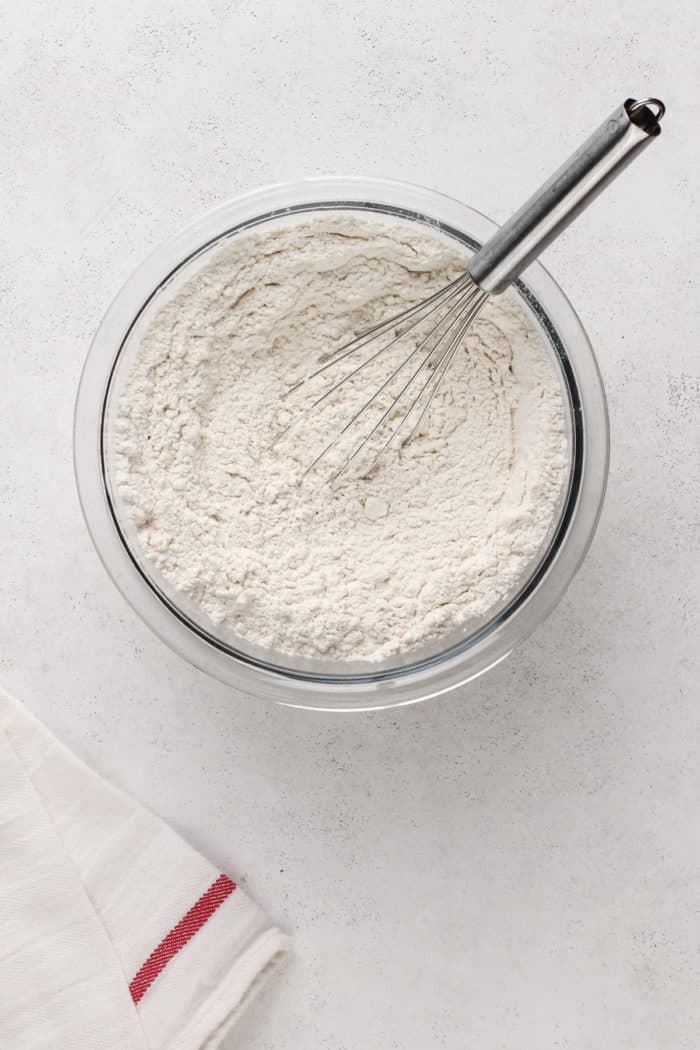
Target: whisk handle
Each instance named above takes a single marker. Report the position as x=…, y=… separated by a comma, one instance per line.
x=626, y=132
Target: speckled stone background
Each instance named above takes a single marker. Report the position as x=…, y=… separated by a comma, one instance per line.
x=516, y=866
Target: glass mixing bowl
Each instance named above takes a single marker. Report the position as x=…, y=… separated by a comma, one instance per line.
x=325, y=683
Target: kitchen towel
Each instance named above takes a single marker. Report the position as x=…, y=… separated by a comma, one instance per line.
x=114, y=933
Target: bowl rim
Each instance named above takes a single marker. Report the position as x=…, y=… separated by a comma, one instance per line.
x=406, y=684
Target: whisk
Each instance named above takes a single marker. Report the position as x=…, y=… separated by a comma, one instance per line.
x=433, y=330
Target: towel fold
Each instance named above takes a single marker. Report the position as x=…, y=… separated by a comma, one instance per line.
x=115, y=934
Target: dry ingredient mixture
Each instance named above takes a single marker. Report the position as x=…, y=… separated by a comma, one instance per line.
x=442, y=533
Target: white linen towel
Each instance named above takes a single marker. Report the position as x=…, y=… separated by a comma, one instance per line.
x=114, y=933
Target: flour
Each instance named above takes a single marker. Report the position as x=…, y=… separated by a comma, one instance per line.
x=445, y=531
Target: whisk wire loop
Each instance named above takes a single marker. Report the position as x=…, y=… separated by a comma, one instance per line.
x=452, y=315
x=435, y=378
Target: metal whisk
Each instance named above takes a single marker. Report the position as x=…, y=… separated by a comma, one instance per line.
x=433, y=330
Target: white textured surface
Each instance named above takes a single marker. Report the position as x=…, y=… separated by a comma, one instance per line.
x=514, y=867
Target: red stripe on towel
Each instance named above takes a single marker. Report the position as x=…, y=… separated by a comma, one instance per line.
x=178, y=937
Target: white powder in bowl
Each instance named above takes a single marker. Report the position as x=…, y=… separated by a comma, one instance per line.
x=446, y=529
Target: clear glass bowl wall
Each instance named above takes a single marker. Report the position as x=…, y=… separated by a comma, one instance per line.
x=323, y=683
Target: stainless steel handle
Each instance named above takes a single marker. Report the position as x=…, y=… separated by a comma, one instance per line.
x=556, y=204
